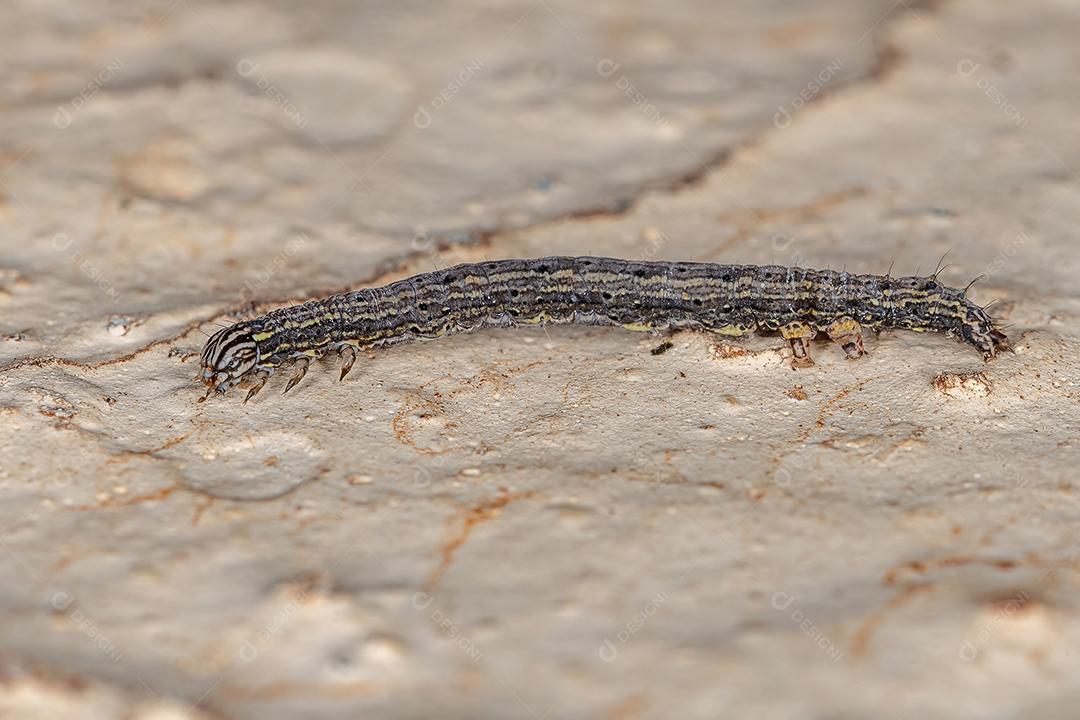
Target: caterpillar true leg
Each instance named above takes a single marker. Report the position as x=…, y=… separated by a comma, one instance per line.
x=348, y=357
x=799, y=335
x=847, y=333
x=260, y=379
x=302, y=368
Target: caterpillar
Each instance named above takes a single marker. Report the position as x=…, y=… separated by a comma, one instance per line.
x=652, y=296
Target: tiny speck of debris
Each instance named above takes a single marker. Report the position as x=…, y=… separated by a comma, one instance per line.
x=120, y=325
x=797, y=393
x=962, y=385
x=56, y=411
x=662, y=347
x=725, y=351
x=471, y=472
x=360, y=480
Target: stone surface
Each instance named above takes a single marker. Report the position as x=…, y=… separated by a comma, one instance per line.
x=529, y=523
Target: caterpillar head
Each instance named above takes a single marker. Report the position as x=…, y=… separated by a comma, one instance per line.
x=229, y=355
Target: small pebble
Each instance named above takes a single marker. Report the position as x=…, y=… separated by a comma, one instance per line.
x=120, y=325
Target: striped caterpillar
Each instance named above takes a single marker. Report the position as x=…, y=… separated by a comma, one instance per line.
x=644, y=296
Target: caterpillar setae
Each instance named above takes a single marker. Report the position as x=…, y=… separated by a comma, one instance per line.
x=644, y=296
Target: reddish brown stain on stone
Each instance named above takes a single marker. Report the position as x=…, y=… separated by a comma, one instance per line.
x=465, y=521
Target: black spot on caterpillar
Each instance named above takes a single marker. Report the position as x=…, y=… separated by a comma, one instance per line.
x=650, y=296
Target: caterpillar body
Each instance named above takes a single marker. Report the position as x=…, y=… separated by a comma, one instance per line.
x=637, y=295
